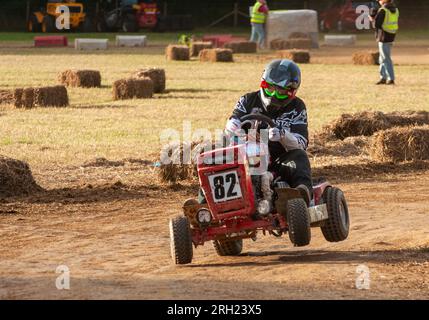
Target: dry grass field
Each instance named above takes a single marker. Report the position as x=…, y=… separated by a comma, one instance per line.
x=108, y=219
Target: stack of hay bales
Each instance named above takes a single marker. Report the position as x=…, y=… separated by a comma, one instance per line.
x=366, y=58
x=177, y=53
x=133, y=88
x=242, y=46
x=401, y=144
x=298, y=56
x=80, y=78
x=156, y=75
x=367, y=123
x=16, y=178
x=55, y=96
x=197, y=46
x=216, y=55
x=6, y=96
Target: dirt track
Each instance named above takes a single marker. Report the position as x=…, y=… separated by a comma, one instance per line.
x=114, y=239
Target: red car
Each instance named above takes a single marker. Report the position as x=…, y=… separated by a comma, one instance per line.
x=239, y=203
x=341, y=15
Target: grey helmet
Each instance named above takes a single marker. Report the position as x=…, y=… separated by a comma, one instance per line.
x=284, y=75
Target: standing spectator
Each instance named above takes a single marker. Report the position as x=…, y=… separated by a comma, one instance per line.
x=258, y=18
x=386, y=25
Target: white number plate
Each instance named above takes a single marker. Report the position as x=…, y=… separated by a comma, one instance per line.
x=225, y=186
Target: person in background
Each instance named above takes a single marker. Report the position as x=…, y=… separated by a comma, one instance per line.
x=259, y=16
x=386, y=25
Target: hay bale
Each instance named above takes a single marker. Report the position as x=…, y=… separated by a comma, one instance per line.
x=197, y=46
x=367, y=123
x=277, y=44
x=408, y=118
x=298, y=56
x=55, y=96
x=351, y=146
x=16, y=178
x=299, y=43
x=242, y=46
x=6, y=96
x=216, y=55
x=179, y=160
x=132, y=88
x=299, y=35
x=80, y=78
x=156, y=75
x=27, y=99
x=401, y=144
x=366, y=58
x=17, y=97
x=175, y=52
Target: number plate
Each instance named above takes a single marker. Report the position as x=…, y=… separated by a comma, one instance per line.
x=225, y=186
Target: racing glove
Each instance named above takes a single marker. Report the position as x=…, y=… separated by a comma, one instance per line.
x=233, y=125
x=287, y=139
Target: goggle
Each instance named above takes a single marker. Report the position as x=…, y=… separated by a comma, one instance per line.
x=280, y=93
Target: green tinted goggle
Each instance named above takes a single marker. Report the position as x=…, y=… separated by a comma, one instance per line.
x=276, y=94
x=272, y=91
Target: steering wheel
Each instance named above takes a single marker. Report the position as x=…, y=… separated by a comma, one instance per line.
x=254, y=118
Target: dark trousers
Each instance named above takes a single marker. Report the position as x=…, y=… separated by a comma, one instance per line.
x=294, y=168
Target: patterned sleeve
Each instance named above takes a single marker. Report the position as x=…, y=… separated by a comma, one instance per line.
x=240, y=108
x=299, y=128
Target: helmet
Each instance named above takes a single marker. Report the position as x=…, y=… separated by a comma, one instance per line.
x=280, y=82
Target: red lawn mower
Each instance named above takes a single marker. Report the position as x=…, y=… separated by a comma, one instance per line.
x=238, y=204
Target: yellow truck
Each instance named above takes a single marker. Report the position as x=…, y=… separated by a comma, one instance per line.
x=44, y=19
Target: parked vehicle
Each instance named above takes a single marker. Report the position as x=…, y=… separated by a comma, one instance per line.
x=341, y=15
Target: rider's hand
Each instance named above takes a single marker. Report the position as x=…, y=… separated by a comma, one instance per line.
x=274, y=134
x=233, y=125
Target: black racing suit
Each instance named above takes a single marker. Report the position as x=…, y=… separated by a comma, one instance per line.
x=292, y=165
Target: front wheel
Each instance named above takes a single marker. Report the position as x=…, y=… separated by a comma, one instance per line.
x=228, y=247
x=336, y=228
x=48, y=24
x=298, y=221
x=33, y=24
x=181, y=240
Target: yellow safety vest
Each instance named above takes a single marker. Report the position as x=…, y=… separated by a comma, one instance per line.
x=257, y=17
x=391, y=21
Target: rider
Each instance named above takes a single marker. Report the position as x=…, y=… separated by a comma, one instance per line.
x=289, y=140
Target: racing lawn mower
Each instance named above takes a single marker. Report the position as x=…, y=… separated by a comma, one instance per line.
x=238, y=203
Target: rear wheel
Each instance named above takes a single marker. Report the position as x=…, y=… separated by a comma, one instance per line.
x=181, y=240
x=298, y=221
x=33, y=24
x=336, y=228
x=129, y=24
x=48, y=24
x=228, y=247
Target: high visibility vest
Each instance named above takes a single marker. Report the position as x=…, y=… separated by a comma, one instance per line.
x=257, y=17
x=391, y=21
